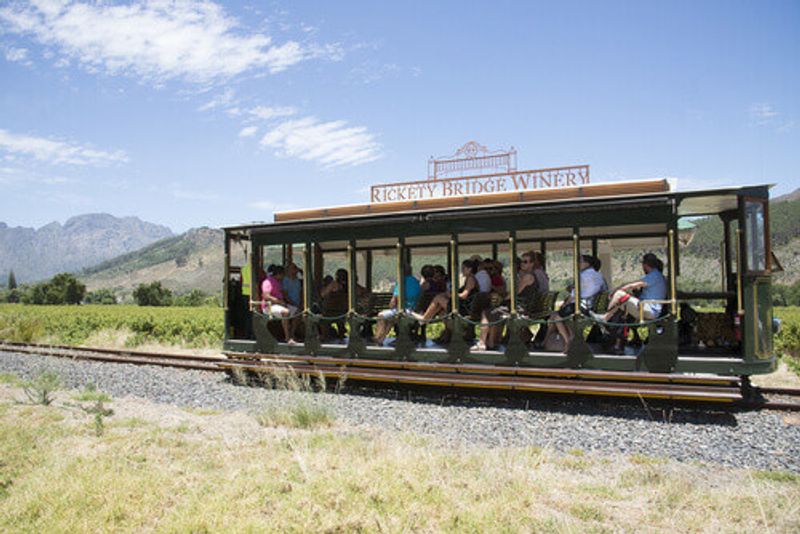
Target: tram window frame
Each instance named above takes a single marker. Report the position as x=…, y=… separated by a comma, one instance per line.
x=756, y=236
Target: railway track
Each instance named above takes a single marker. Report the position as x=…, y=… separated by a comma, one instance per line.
x=689, y=388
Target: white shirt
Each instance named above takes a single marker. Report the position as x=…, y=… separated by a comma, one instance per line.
x=484, y=281
x=592, y=283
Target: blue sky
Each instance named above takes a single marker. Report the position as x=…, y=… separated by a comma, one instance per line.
x=201, y=113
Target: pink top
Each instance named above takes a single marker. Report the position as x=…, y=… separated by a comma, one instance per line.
x=272, y=287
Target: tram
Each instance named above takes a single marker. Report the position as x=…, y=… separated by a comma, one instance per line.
x=373, y=242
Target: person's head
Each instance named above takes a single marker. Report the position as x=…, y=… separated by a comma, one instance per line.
x=596, y=263
x=277, y=271
x=528, y=262
x=341, y=276
x=586, y=261
x=292, y=270
x=427, y=271
x=469, y=267
x=651, y=262
x=439, y=272
x=327, y=279
x=537, y=258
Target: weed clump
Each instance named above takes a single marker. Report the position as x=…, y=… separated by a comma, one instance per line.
x=40, y=389
x=306, y=415
x=91, y=393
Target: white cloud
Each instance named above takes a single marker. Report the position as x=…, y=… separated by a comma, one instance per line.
x=248, y=131
x=268, y=205
x=17, y=55
x=331, y=144
x=10, y=175
x=158, y=40
x=266, y=112
x=762, y=113
x=223, y=100
x=52, y=151
x=182, y=193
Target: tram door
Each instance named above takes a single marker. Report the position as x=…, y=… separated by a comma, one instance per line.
x=756, y=293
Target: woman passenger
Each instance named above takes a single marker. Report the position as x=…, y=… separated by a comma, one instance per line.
x=441, y=302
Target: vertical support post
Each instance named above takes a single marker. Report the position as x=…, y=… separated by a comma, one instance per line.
x=454, y=273
x=226, y=280
x=494, y=251
x=308, y=276
x=226, y=269
x=351, y=278
x=576, y=268
x=739, y=263
x=726, y=254
x=401, y=281
x=512, y=243
x=368, y=281
x=255, y=264
x=543, y=250
x=594, y=247
x=672, y=273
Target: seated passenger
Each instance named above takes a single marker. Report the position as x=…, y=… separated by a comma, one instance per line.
x=542, y=280
x=592, y=283
x=492, y=307
x=441, y=302
x=292, y=286
x=653, y=286
x=275, y=304
x=387, y=318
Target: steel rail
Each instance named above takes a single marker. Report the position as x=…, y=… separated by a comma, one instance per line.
x=701, y=389
x=183, y=361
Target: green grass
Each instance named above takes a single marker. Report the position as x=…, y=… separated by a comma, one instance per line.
x=90, y=394
x=57, y=475
x=306, y=415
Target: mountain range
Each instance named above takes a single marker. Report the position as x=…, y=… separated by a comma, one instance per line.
x=82, y=241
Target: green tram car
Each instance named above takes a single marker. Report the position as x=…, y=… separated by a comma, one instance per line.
x=372, y=242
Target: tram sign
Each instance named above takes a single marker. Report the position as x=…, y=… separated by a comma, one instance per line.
x=472, y=157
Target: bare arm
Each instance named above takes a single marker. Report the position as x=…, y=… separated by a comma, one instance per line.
x=468, y=287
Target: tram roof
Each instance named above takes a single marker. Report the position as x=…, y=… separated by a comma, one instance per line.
x=696, y=202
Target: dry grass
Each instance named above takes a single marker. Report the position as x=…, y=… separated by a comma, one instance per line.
x=163, y=469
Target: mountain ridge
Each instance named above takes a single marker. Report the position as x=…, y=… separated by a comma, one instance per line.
x=83, y=240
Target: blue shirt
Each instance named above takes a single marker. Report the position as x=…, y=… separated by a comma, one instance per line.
x=656, y=289
x=592, y=283
x=413, y=290
x=291, y=288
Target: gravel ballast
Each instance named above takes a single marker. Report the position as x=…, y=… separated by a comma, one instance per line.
x=763, y=440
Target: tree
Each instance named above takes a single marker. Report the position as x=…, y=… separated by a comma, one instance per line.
x=153, y=294
x=12, y=280
x=195, y=297
x=101, y=296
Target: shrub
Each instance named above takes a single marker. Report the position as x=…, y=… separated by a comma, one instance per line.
x=101, y=296
x=153, y=294
x=40, y=389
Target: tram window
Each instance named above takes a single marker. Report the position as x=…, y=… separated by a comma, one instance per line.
x=755, y=236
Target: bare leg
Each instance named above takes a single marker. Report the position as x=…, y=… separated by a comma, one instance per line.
x=564, y=331
x=614, y=303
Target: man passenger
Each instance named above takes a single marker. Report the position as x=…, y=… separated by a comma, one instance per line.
x=387, y=318
x=653, y=286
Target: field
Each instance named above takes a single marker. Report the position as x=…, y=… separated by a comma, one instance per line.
x=96, y=324
x=200, y=327
x=158, y=468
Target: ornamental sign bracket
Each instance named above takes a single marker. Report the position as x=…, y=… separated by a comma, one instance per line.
x=471, y=158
